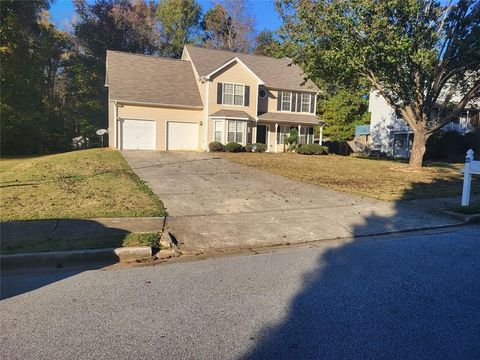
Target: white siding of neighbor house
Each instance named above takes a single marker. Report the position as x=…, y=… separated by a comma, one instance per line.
x=383, y=122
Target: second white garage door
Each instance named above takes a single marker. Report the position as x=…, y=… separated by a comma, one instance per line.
x=182, y=136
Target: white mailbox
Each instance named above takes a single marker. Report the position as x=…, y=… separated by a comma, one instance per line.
x=471, y=168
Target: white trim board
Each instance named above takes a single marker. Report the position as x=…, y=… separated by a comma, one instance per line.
x=230, y=62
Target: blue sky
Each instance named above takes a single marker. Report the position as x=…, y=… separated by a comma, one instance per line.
x=62, y=13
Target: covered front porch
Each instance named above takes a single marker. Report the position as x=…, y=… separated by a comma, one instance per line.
x=272, y=129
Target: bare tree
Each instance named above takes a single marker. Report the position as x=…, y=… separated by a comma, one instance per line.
x=229, y=25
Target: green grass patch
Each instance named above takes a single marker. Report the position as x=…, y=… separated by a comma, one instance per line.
x=376, y=178
x=129, y=240
x=472, y=209
x=75, y=185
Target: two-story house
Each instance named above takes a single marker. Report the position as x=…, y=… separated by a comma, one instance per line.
x=392, y=136
x=208, y=95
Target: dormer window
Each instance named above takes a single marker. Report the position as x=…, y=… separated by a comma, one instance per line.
x=233, y=94
x=286, y=101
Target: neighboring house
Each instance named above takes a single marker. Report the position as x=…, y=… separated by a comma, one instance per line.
x=392, y=136
x=208, y=95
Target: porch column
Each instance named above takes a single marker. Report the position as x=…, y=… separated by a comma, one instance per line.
x=320, y=141
x=299, y=130
x=275, y=142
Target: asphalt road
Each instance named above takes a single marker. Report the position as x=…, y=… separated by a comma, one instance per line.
x=413, y=296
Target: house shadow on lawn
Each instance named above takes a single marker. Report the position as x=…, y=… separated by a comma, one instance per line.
x=392, y=298
x=46, y=236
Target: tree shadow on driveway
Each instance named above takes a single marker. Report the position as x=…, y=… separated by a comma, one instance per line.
x=415, y=297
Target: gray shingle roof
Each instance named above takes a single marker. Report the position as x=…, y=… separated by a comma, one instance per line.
x=289, y=118
x=275, y=73
x=151, y=79
x=232, y=114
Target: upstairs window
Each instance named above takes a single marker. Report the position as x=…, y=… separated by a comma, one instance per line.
x=286, y=101
x=233, y=94
x=306, y=102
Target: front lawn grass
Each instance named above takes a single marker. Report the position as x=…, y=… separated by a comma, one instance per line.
x=376, y=178
x=472, y=209
x=80, y=184
x=54, y=244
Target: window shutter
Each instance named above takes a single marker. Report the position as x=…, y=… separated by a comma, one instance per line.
x=247, y=95
x=219, y=92
x=299, y=102
x=312, y=104
x=279, y=101
x=294, y=97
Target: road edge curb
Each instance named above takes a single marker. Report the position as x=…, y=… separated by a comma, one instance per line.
x=59, y=259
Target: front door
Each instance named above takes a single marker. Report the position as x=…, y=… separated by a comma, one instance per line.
x=261, y=134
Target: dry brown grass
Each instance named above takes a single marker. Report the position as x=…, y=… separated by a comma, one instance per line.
x=379, y=179
x=81, y=184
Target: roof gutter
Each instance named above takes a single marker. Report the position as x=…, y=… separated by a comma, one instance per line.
x=173, y=106
x=311, y=91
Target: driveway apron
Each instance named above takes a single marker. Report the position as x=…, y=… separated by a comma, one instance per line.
x=215, y=204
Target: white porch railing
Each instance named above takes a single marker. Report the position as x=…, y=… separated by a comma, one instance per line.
x=462, y=127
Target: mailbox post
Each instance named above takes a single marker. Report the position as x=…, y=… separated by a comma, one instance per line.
x=471, y=167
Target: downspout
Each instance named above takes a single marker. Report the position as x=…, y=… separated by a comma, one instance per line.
x=115, y=125
x=256, y=120
x=207, y=91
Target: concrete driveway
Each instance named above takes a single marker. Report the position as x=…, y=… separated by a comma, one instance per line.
x=216, y=204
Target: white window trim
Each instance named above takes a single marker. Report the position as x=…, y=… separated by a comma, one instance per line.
x=244, y=131
x=222, y=125
x=289, y=103
x=233, y=95
x=302, y=103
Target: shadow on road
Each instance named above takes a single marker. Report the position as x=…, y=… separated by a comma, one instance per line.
x=46, y=236
x=413, y=299
x=16, y=283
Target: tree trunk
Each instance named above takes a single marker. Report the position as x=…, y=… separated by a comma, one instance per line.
x=418, y=149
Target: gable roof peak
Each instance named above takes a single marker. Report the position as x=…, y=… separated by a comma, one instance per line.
x=275, y=73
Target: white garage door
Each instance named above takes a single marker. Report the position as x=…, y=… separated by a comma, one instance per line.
x=138, y=134
x=182, y=136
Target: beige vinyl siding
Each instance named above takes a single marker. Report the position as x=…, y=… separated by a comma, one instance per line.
x=235, y=73
x=161, y=116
